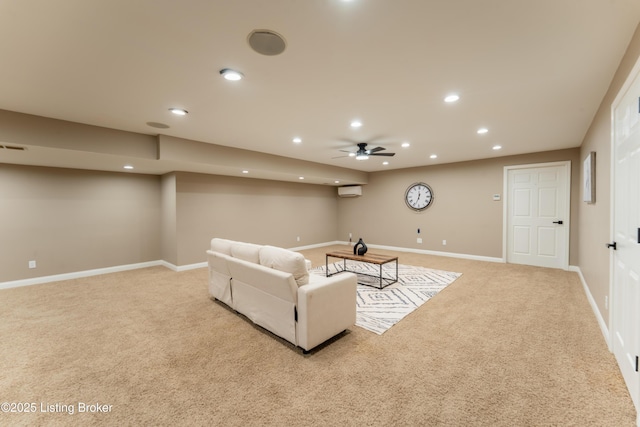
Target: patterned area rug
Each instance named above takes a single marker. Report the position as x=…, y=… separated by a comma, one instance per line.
x=380, y=309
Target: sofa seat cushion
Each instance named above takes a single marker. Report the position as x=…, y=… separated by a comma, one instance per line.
x=286, y=261
x=246, y=251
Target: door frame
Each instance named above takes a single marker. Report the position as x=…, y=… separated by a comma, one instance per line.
x=567, y=209
x=613, y=303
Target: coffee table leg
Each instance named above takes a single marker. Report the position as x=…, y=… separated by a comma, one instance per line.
x=326, y=265
x=396, y=270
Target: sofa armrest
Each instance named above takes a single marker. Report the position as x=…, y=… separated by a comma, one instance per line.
x=219, y=277
x=326, y=307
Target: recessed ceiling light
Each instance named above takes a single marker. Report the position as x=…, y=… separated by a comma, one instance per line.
x=385, y=163
x=336, y=182
x=245, y=171
x=452, y=98
x=356, y=124
x=497, y=147
x=405, y=145
x=301, y=177
x=179, y=111
x=230, y=74
x=297, y=140
x=482, y=131
x=433, y=156
x=128, y=167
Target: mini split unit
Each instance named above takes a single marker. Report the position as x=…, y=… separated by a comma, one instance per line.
x=350, y=191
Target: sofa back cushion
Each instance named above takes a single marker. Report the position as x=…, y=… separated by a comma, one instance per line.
x=246, y=251
x=286, y=261
x=221, y=245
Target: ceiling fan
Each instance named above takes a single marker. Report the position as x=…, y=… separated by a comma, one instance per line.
x=363, y=152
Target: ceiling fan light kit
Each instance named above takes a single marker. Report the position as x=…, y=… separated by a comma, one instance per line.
x=363, y=152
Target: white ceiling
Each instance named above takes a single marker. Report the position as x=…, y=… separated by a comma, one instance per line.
x=532, y=72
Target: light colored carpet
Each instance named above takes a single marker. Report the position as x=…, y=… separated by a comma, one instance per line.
x=380, y=309
x=504, y=345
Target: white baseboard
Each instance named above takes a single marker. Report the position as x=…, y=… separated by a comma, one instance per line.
x=603, y=326
x=79, y=274
x=427, y=252
x=189, y=266
x=173, y=267
x=115, y=269
x=318, y=245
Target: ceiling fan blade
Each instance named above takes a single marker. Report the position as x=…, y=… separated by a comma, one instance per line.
x=373, y=150
x=350, y=141
x=383, y=154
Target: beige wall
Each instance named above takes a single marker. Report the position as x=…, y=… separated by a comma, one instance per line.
x=76, y=220
x=258, y=211
x=18, y=128
x=73, y=220
x=595, y=219
x=168, y=220
x=463, y=212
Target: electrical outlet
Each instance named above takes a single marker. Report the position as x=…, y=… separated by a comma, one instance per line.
x=419, y=239
x=350, y=235
x=298, y=238
x=32, y=264
x=444, y=243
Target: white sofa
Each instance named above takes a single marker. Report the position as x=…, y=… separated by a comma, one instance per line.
x=273, y=288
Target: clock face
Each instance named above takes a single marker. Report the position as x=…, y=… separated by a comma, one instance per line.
x=419, y=196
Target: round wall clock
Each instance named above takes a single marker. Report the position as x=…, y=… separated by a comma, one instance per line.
x=418, y=196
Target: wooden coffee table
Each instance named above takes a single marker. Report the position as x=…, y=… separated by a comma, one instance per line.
x=383, y=280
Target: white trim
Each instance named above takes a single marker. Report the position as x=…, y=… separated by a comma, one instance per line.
x=437, y=253
x=195, y=266
x=635, y=71
x=179, y=268
x=567, y=214
x=613, y=304
x=603, y=326
x=318, y=245
x=80, y=274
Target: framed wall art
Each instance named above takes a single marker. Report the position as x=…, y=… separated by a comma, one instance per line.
x=589, y=178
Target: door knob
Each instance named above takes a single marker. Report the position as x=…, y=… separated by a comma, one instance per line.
x=558, y=222
x=613, y=245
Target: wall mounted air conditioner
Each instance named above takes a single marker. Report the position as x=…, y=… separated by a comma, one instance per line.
x=350, y=191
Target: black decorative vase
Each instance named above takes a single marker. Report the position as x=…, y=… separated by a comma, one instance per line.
x=360, y=248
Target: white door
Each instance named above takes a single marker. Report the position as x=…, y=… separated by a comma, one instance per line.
x=537, y=214
x=625, y=288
